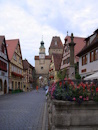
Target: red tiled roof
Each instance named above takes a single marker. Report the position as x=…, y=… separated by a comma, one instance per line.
x=80, y=43
x=59, y=43
x=88, y=48
x=57, y=61
x=11, y=46
x=46, y=57
x=26, y=64
x=92, y=45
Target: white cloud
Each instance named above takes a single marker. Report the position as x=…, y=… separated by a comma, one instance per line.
x=28, y=20
x=17, y=23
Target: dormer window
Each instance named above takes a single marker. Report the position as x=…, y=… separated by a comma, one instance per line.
x=56, y=43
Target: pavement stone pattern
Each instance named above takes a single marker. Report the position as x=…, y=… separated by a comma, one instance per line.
x=22, y=111
x=46, y=122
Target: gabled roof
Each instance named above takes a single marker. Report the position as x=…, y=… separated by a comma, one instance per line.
x=26, y=64
x=46, y=57
x=80, y=43
x=87, y=38
x=86, y=49
x=90, y=47
x=11, y=46
x=57, y=61
x=59, y=43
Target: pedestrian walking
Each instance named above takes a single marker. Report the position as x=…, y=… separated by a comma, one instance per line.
x=37, y=88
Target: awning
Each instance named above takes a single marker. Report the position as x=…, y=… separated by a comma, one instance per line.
x=91, y=77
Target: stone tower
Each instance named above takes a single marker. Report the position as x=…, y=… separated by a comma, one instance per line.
x=56, y=46
x=42, y=52
x=42, y=63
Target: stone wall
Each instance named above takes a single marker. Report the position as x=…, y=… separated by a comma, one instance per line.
x=45, y=66
x=65, y=115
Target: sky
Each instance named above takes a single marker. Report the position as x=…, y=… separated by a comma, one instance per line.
x=29, y=20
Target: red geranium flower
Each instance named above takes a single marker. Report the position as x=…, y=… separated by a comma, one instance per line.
x=97, y=89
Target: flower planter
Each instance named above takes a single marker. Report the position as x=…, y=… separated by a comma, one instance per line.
x=49, y=106
x=66, y=115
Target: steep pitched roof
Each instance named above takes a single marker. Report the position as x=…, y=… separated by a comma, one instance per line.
x=88, y=48
x=80, y=43
x=59, y=43
x=57, y=61
x=11, y=46
x=46, y=57
x=26, y=64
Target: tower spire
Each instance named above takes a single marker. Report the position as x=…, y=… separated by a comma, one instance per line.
x=67, y=33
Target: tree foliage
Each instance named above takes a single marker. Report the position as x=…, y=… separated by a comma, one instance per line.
x=77, y=76
x=62, y=74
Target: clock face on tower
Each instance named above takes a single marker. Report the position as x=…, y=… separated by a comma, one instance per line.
x=42, y=56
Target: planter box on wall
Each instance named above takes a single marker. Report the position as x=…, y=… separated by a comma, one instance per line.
x=66, y=115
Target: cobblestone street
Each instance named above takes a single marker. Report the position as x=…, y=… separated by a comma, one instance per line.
x=23, y=111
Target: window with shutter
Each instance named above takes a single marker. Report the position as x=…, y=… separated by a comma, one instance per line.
x=95, y=54
x=3, y=66
x=84, y=60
